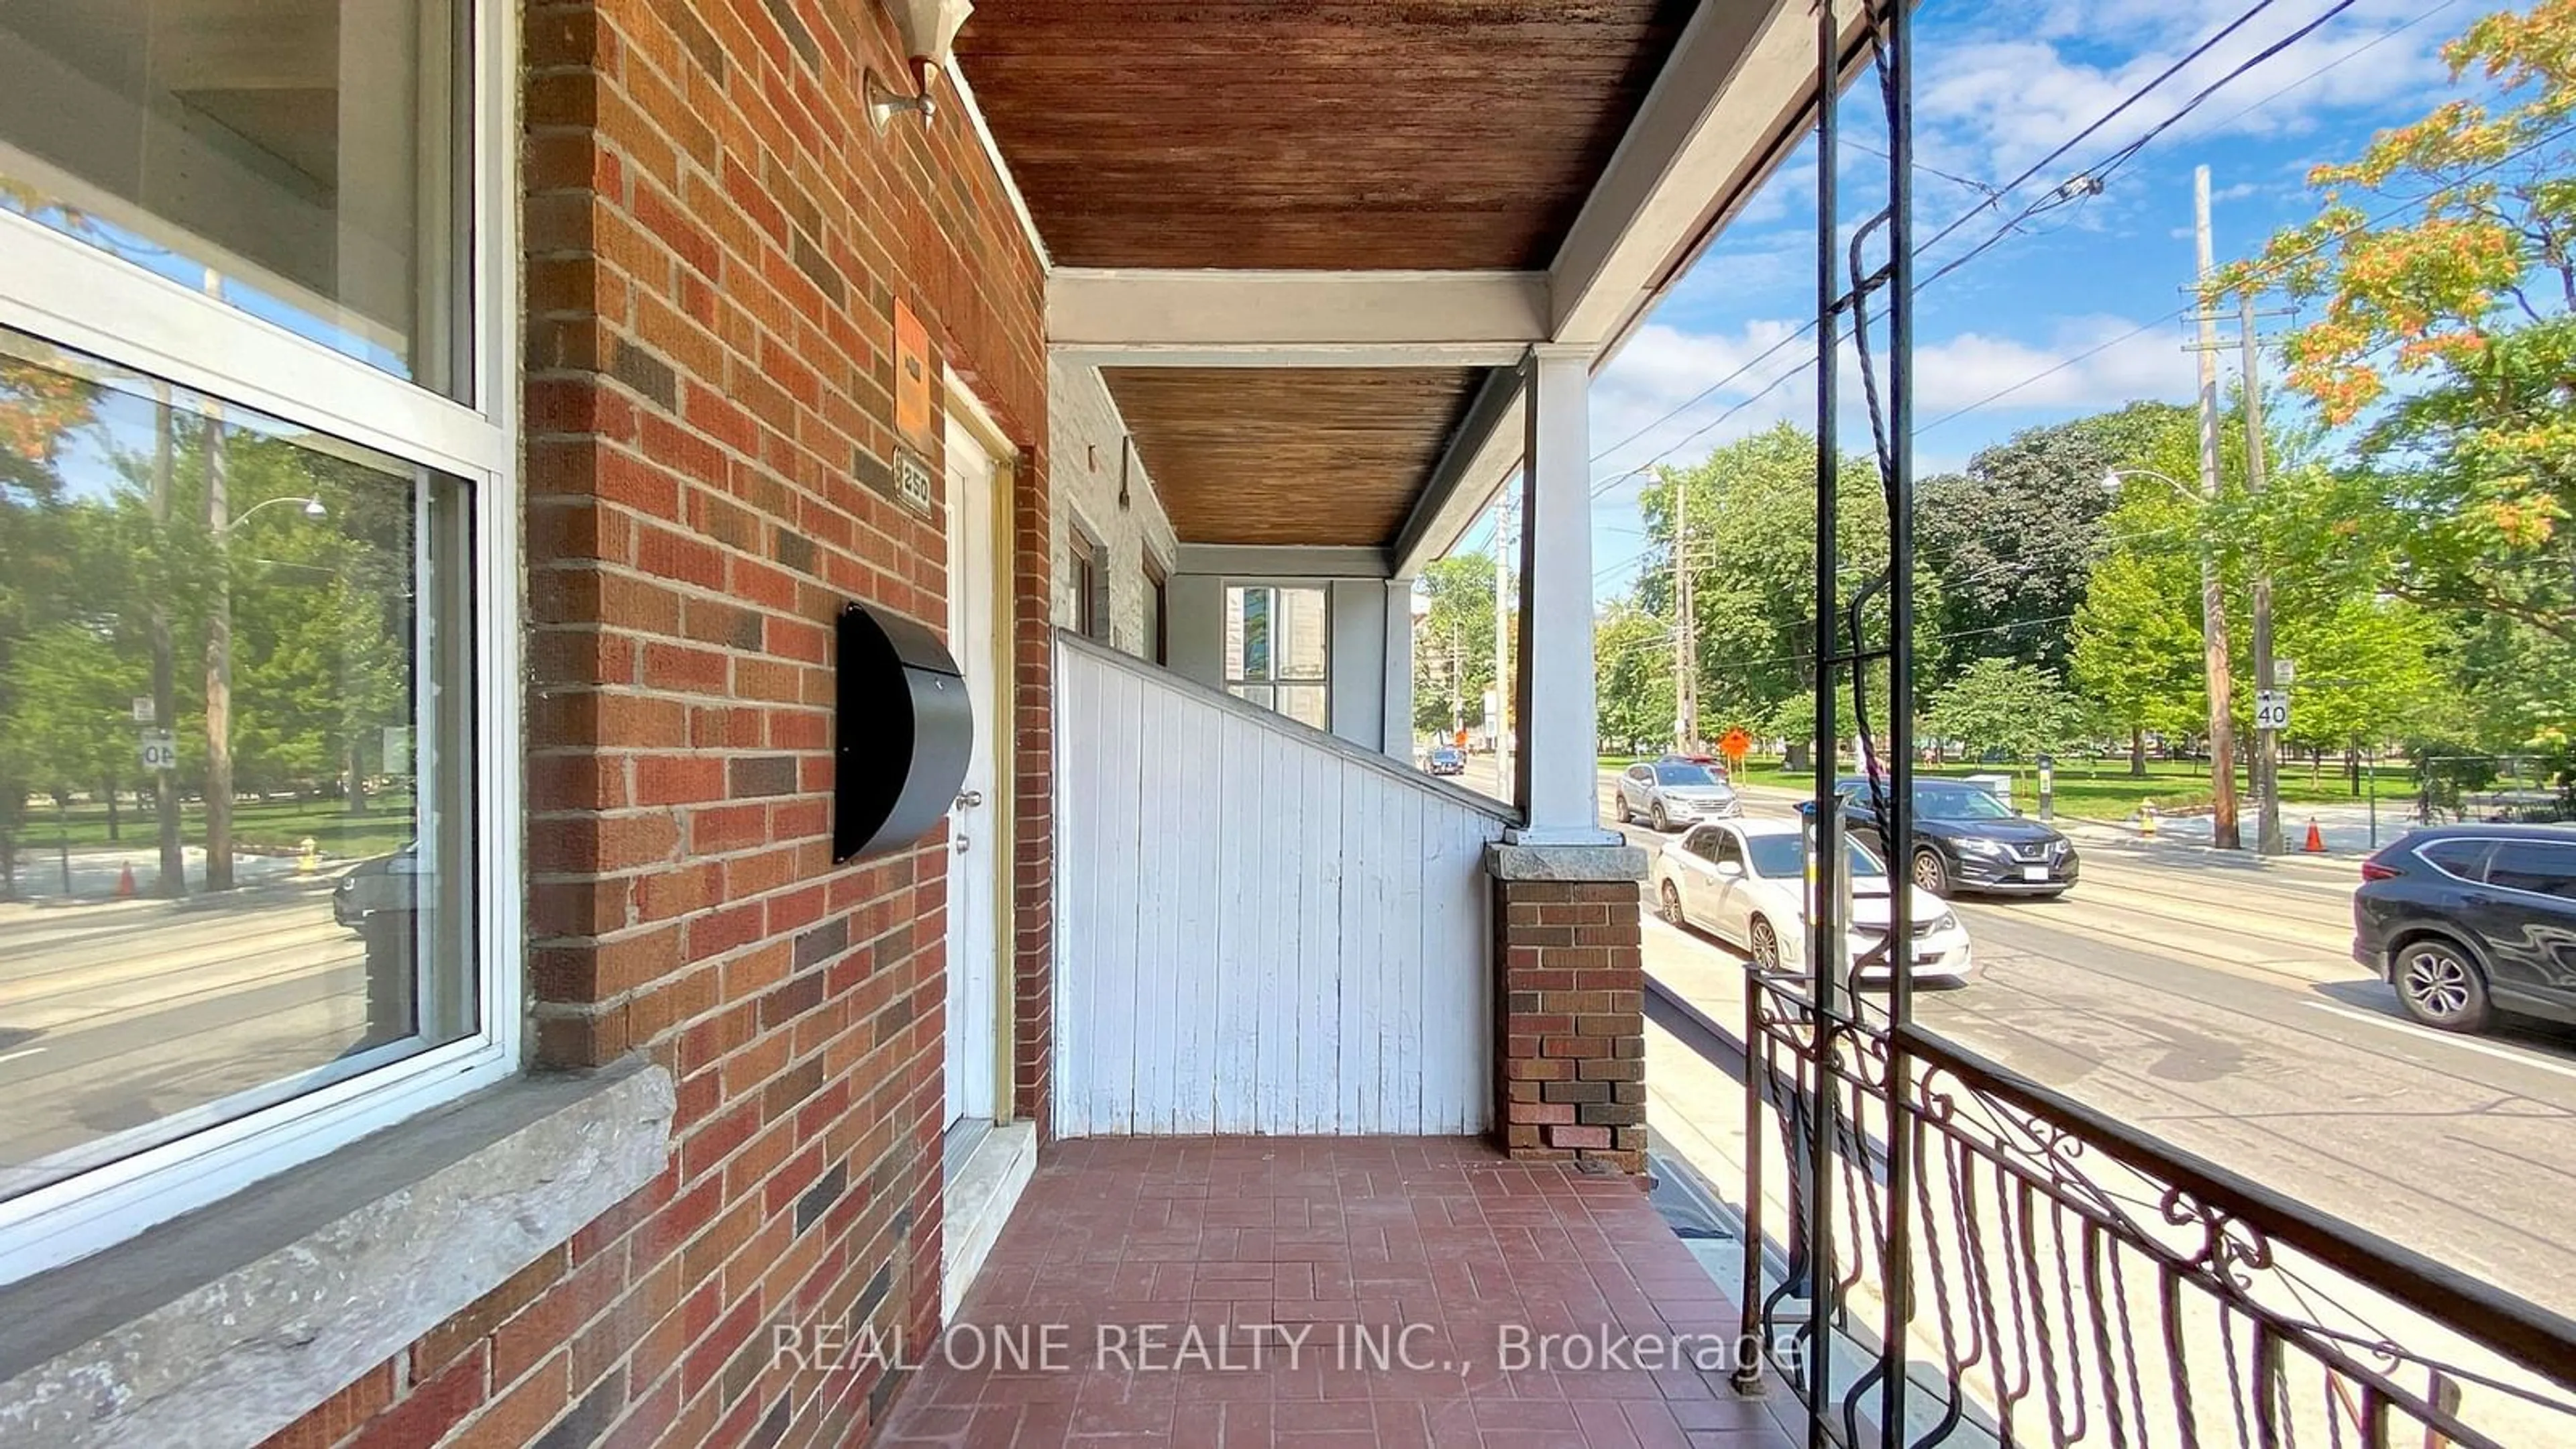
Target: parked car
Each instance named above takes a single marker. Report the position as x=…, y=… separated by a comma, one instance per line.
x=1675, y=792
x=1967, y=840
x=1745, y=882
x=2470, y=921
x=381, y=884
x=1446, y=760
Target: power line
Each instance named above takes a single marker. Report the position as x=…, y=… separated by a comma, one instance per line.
x=2056, y=198
x=2095, y=177
x=2106, y=118
x=2372, y=44
x=2258, y=273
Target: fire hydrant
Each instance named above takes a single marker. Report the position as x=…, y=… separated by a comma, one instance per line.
x=2147, y=819
x=312, y=857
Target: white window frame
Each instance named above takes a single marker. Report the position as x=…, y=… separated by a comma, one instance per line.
x=132, y=318
x=1225, y=597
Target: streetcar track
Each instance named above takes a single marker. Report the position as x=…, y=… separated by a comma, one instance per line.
x=2317, y=1146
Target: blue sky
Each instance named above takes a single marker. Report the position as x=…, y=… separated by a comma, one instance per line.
x=1999, y=86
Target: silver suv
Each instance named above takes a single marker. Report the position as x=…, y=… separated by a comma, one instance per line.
x=1670, y=794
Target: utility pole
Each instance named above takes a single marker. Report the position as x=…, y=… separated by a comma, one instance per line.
x=1457, y=677
x=219, y=668
x=2213, y=600
x=2267, y=741
x=219, y=652
x=173, y=881
x=1685, y=634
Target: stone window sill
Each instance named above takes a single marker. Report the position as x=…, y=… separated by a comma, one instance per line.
x=224, y=1326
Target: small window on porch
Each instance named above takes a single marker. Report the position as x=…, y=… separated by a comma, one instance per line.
x=1157, y=639
x=1090, y=585
x=1277, y=647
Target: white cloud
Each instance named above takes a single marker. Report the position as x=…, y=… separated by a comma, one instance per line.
x=2028, y=77
x=1672, y=395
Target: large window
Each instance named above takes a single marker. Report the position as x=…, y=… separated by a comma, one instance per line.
x=1277, y=650
x=257, y=858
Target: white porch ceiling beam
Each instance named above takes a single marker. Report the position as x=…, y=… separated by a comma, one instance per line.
x=1281, y=561
x=1483, y=452
x=1739, y=77
x=1123, y=317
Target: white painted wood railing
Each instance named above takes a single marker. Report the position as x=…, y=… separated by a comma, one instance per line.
x=1259, y=928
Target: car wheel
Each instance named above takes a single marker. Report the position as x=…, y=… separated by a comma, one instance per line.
x=1765, y=945
x=1619, y=799
x=1671, y=901
x=1655, y=815
x=1931, y=872
x=2441, y=987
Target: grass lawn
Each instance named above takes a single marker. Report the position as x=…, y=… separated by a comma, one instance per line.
x=2105, y=790
x=261, y=827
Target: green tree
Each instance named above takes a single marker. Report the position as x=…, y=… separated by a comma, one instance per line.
x=1994, y=704
x=40, y=411
x=70, y=724
x=2367, y=675
x=1632, y=662
x=2013, y=539
x=1453, y=646
x=1751, y=548
x=2465, y=476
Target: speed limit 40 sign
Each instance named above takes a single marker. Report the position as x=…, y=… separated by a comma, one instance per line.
x=159, y=750
x=2272, y=709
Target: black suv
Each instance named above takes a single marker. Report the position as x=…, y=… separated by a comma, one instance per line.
x=2470, y=920
x=1967, y=840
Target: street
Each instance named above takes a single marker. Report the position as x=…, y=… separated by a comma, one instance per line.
x=115, y=1015
x=2209, y=999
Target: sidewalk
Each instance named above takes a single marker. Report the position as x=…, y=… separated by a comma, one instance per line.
x=2184, y=840
x=2344, y=830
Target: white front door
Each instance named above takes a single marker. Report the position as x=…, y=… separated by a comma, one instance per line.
x=973, y=862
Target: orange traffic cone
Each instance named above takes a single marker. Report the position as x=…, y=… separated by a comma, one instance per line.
x=125, y=883
x=2316, y=840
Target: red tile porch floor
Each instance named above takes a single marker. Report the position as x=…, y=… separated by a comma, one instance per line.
x=1332, y=1291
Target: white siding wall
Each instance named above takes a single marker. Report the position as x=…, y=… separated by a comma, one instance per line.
x=1084, y=435
x=1259, y=929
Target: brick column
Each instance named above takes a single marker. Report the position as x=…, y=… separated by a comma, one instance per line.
x=1570, y=1034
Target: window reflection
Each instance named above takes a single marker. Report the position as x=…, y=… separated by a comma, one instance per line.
x=1277, y=650
x=234, y=843
x=298, y=158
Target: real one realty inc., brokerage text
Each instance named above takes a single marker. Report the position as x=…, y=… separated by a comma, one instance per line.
x=1255, y=1348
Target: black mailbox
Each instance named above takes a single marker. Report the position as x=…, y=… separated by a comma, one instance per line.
x=904, y=731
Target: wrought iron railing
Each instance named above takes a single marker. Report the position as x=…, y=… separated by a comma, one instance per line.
x=2065, y=1279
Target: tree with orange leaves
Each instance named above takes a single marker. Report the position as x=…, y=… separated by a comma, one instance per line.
x=2444, y=257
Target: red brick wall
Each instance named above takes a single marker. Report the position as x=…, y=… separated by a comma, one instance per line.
x=715, y=241
x=1571, y=1079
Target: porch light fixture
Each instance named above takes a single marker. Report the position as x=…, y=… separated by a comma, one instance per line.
x=928, y=28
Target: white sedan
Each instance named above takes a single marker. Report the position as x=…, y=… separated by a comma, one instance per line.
x=1744, y=881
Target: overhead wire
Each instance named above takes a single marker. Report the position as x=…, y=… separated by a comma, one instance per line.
x=2063, y=195
x=2006, y=229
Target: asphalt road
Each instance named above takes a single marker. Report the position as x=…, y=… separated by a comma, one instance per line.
x=115, y=1015
x=2210, y=1000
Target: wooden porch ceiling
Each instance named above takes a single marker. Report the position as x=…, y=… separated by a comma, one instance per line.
x=1257, y=455
x=1344, y=134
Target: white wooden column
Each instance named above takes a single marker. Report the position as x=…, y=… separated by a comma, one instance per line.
x=1559, y=760
x=1399, y=670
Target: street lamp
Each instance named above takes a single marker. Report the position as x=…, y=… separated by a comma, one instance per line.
x=219, y=667
x=2214, y=666
x=312, y=509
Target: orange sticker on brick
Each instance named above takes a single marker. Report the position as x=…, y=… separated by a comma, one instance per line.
x=911, y=377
